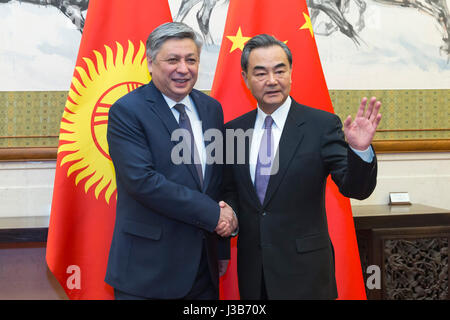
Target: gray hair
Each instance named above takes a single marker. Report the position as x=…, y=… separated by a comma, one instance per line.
x=170, y=30
x=262, y=41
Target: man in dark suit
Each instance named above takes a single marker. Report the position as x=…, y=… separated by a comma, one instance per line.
x=164, y=244
x=278, y=193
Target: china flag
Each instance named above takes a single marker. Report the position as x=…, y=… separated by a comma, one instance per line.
x=288, y=21
x=111, y=62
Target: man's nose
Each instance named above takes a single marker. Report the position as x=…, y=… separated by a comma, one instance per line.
x=182, y=67
x=271, y=80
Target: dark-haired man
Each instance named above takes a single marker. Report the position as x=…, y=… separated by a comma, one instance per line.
x=284, y=248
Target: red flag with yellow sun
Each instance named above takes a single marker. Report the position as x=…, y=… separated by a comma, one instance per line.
x=111, y=62
x=288, y=21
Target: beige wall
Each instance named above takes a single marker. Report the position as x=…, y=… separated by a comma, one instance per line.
x=26, y=188
x=425, y=176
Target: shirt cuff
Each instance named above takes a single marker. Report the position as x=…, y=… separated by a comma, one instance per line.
x=366, y=155
x=236, y=231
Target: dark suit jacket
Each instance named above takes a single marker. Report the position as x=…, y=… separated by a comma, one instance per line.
x=162, y=215
x=287, y=236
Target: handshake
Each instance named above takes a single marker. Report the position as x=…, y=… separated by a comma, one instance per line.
x=227, y=221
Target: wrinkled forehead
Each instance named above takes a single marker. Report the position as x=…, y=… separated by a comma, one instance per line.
x=179, y=46
x=267, y=58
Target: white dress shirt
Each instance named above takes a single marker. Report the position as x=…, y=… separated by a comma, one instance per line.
x=196, y=125
x=279, y=117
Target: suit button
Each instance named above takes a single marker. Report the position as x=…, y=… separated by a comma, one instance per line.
x=264, y=214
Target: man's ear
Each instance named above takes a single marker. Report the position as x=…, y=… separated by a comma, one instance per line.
x=290, y=75
x=149, y=64
x=244, y=75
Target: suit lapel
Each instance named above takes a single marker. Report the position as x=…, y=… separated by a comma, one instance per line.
x=162, y=110
x=160, y=107
x=291, y=137
x=248, y=123
x=202, y=110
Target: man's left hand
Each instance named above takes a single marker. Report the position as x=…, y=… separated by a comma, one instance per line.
x=359, y=133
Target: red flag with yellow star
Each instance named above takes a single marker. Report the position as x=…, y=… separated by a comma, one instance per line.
x=288, y=21
x=111, y=62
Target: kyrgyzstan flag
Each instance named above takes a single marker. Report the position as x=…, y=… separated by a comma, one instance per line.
x=288, y=21
x=111, y=62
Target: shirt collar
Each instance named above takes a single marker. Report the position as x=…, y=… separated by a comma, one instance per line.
x=187, y=101
x=279, y=116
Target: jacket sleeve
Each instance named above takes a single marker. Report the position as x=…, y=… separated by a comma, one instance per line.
x=228, y=187
x=354, y=177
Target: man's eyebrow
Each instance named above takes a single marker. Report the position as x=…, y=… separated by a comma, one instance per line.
x=259, y=68
x=282, y=64
x=176, y=55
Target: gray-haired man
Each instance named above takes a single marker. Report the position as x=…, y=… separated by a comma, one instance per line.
x=165, y=242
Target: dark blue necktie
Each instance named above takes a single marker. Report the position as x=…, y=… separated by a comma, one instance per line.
x=185, y=123
x=265, y=157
